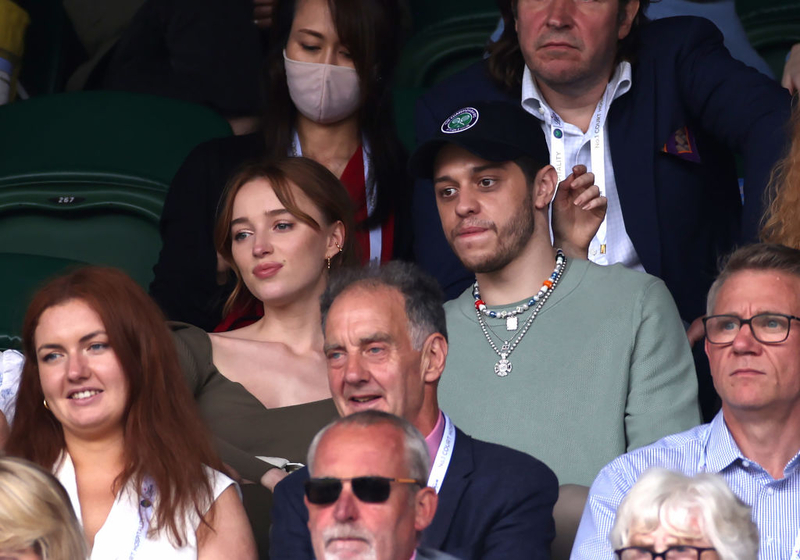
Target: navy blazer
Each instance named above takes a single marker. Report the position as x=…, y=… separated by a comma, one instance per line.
x=680, y=214
x=495, y=504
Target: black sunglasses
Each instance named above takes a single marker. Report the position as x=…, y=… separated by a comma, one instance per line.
x=368, y=489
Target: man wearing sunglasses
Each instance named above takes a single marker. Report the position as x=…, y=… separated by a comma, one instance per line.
x=753, y=345
x=368, y=496
x=386, y=347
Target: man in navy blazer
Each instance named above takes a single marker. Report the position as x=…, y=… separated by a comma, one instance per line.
x=386, y=346
x=676, y=105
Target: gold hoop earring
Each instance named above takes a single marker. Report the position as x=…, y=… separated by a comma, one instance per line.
x=338, y=246
x=45, y=404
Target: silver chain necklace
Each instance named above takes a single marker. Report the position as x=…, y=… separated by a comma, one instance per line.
x=503, y=366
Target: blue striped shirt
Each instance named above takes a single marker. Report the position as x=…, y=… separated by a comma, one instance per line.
x=706, y=448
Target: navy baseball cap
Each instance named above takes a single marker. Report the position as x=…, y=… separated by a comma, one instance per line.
x=492, y=130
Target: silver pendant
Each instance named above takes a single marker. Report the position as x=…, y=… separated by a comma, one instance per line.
x=503, y=367
x=511, y=323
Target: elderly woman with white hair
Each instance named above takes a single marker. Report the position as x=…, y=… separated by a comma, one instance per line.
x=671, y=516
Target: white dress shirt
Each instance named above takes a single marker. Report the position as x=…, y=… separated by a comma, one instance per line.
x=611, y=244
x=124, y=534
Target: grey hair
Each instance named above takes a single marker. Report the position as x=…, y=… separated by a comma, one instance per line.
x=758, y=256
x=684, y=506
x=418, y=459
x=422, y=295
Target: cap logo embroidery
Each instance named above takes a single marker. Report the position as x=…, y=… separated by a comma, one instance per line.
x=461, y=120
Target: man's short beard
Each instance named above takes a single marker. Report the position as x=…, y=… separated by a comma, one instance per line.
x=341, y=530
x=512, y=237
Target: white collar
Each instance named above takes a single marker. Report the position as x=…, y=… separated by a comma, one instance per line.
x=535, y=104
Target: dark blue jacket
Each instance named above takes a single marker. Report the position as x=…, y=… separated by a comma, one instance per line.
x=681, y=215
x=495, y=504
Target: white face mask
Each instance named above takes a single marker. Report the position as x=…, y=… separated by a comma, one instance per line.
x=324, y=93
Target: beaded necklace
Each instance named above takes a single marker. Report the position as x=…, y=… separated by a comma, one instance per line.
x=503, y=367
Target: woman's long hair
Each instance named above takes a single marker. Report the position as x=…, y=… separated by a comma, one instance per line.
x=780, y=223
x=164, y=437
x=321, y=187
x=373, y=34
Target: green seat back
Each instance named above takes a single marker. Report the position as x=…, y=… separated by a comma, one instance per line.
x=22, y=276
x=427, y=13
x=120, y=133
x=442, y=49
x=772, y=27
x=83, y=176
x=84, y=218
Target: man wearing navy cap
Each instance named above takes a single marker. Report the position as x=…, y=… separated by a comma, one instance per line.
x=563, y=359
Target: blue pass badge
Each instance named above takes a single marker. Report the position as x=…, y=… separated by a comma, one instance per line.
x=461, y=120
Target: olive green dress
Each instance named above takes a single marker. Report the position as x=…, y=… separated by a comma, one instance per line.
x=243, y=428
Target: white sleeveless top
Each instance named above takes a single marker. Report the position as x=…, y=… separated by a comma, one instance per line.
x=123, y=536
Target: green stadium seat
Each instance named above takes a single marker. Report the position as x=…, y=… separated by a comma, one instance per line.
x=120, y=133
x=427, y=13
x=83, y=175
x=88, y=219
x=772, y=27
x=22, y=276
x=444, y=48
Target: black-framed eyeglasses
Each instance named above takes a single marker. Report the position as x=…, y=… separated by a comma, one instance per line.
x=676, y=552
x=369, y=489
x=769, y=328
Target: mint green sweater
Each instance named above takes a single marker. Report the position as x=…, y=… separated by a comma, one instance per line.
x=605, y=368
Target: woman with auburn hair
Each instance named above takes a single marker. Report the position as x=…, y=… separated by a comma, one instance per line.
x=263, y=388
x=103, y=405
x=781, y=223
x=36, y=516
x=330, y=68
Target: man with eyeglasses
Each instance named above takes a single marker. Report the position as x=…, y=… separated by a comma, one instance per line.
x=753, y=346
x=367, y=497
x=386, y=347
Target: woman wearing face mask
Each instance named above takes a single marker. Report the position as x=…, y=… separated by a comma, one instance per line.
x=330, y=70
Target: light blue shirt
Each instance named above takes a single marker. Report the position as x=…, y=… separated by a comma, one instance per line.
x=706, y=448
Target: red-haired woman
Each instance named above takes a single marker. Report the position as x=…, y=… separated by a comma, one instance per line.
x=102, y=404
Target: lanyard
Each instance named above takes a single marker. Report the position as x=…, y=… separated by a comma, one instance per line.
x=443, y=455
x=796, y=547
x=145, y=514
x=375, y=239
x=558, y=158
